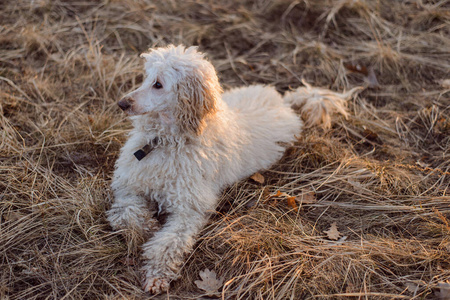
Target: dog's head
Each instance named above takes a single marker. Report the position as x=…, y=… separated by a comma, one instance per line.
x=180, y=85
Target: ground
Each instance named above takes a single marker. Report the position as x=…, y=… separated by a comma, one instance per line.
x=366, y=209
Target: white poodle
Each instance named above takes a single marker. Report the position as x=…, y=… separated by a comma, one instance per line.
x=190, y=141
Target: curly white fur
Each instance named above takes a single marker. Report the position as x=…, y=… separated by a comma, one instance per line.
x=207, y=140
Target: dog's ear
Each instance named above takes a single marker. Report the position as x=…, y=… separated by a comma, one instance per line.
x=198, y=94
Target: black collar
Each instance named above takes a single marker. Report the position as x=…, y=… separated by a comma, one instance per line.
x=141, y=153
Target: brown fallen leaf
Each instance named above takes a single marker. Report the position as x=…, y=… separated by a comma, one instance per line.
x=209, y=283
x=292, y=203
x=258, y=178
x=333, y=233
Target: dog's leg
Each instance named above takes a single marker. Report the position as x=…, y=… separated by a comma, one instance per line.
x=164, y=252
x=130, y=211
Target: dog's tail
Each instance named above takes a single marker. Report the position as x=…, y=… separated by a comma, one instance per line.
x=317, y=104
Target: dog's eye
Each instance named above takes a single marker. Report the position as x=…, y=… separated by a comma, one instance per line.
x=157, y=85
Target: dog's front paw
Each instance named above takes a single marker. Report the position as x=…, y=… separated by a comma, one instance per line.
x=156, y=279
x=124, y=217
x=155, y=285
x=131, y=217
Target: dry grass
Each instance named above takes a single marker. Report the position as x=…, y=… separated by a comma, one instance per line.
x=383, y=175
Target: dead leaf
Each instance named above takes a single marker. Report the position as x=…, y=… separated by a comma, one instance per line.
x=291, y=202
x=307, y=197
x=444, y=291
x=333, y=233
x=258, y=178
x=209, y=283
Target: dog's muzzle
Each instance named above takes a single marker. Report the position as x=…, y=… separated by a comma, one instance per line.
x=125, y=103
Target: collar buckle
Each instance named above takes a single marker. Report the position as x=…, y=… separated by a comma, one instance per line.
x=144, y=151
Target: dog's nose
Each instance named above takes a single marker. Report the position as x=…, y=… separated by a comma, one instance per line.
x=125, y=103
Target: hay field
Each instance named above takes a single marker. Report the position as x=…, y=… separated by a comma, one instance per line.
x=382, y=175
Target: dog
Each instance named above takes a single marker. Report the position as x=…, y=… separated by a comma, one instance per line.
x=189, y=141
